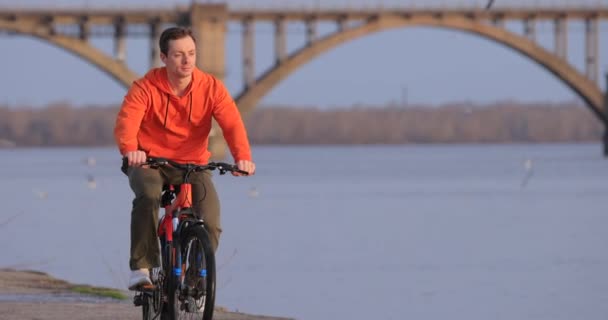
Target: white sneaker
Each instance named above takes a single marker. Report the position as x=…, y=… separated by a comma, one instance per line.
x=139, y=278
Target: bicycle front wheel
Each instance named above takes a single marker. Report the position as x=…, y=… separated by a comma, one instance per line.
x=193, y=296
x=151, y=301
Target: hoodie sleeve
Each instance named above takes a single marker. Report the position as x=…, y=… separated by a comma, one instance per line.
x=229, y=118
x=129, y=118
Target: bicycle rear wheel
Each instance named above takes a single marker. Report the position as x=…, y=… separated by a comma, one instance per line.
x=193, y=296
x=147, y=308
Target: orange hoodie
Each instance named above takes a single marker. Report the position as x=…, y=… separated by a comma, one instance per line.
x=162, y=124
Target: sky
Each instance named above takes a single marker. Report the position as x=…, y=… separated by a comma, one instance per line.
x=410, y=65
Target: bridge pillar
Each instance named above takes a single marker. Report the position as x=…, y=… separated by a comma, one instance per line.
x=311, y=31
x=341, y=23
x=155, y=60
x=280, y=41
x=84, y=28
x=499, y=22
x=530, y=28
x=248, y=53
x=605, y=140
x=592, y=49
x=120, y=45
x=561, y=38
x=209, y=25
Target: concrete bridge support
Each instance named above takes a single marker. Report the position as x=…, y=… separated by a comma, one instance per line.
x=605, y=140
x=311, y=31
x=209, y=27
x=248, y=54
x=280, y=41
x=155, y=61
x=120, y=40
x=530, y=29
x=592, y=49
x=84, y=28
x=561, y=38
x=208, y=23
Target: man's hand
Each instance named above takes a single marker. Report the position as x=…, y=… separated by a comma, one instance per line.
x=136, y=157
x=245, y=165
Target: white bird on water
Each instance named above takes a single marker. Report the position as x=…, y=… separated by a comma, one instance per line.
x=253, y=192
x=528, y=167
x=41, y=194
x=90, y=161
x=91, y=183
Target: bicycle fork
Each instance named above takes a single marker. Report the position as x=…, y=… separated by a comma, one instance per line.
x=168, y=228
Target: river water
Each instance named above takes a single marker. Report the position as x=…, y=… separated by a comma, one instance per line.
x=365, y=232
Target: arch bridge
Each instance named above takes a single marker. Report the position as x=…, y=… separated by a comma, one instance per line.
x=72, y=29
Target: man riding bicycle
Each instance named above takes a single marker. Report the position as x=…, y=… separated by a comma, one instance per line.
x=168, y=113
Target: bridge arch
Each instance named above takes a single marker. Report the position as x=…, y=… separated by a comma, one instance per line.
x=584, y=87
x=114, y=68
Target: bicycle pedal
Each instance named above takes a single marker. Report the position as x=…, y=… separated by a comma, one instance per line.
x=146, y=288
x=138, y=300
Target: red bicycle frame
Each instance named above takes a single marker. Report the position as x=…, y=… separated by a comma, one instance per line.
x=183, y=200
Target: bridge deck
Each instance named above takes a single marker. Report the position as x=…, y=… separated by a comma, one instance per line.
x=104, y=16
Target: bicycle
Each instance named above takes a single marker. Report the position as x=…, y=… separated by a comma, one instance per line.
x=184, y=285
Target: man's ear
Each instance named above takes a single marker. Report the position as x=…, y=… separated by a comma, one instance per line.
x=163, y=57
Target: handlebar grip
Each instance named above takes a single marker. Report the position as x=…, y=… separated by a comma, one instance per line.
x=224, y=167
x=125, y=165
x=149, y=161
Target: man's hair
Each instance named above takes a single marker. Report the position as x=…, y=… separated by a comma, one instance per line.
x=173, y=33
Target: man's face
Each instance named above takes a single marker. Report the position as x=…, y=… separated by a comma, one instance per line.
x=181, y=57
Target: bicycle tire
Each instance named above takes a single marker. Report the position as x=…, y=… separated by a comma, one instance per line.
x=199, y=275
x=167, y=283
x=147, y=308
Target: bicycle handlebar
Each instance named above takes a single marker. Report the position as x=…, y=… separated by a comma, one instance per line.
x=222, y=167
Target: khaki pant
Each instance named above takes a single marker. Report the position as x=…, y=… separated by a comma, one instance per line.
x=147, y=185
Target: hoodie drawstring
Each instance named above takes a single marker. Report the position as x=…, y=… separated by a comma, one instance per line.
x=190, y=114
x=167, y=109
